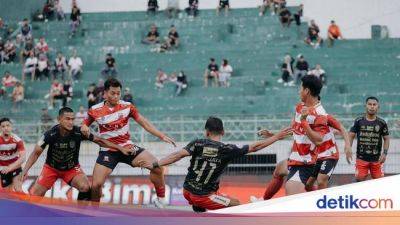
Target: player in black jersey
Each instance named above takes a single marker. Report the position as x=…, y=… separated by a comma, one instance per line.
x=63, y=141
x=210, y=158
x=370, y=131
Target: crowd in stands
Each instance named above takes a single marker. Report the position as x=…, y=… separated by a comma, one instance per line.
x=219, y=76
x=179, y=81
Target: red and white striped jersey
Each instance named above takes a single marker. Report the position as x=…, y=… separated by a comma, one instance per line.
x=113, y=122
x=303, y=149
x=328, y=149
x=9, y=149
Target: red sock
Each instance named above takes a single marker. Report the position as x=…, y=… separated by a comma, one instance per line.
x=160, y=191
x=273, y=186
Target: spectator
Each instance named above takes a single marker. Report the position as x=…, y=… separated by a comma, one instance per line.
x=301, y=68
x=59, y=10
x=318, y=72
x=225, y=73
x=193, y=8
x=68, y=90
x=30, y=66
x=80, y=116
x=223, y=5
x=25, y=31
x=152, y=37
x=48, y=10
x=172, y=9
x=297, y=16
x=8, y=80
x=127, y=96
x=265, y=4
x=161, y=78
x=172, y=41
x=75, y=66
x=91, y=96
x=181, y=83
x=110, y=69
x=60, y=66
x=57, y=92
x=287, y=71
x=9, y=51
x=46, y=119
x=75, y=19
x=26, y=51
x=18, y=95
x=285, y=17
x=2, y=52
x=152, y=7
x=43, y=68
x=211, y=73
x=278, y=5
x=41, y=46
x=313, y=38
x=333, y=33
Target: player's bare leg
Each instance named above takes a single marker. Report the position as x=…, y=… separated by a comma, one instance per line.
x=277, y=181
x=100, y=174
x=310, y=183
x=323, y=181
x=294, y=187
x=81, y=182
x=156, y=174
x=38, y=190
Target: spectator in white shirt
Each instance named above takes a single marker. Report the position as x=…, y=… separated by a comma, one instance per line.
x=80, y=116
x=225, y=73
x=43, y=68
x=60, y=66
x=41, y=46
x=172, y=9
x=318, y=72
x=75, y=66
x=56, y=92
x=59, y=10
x=30, y=66
x=161, y=78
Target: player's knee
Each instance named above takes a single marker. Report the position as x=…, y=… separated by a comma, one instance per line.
x=157, y=171
x=84, y=187
x=96, y=184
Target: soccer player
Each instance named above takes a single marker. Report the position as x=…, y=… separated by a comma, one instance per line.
x=63, y=141
x=113, y=116
x=209, y=158
x=370, y=130
x=12, y=155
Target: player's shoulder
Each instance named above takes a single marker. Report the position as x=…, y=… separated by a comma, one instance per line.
x=380, y=120
x=97, y=106
x=52, y=132
x=16, y=138
x=359, y=119
x=320, y=110
x=124, y=103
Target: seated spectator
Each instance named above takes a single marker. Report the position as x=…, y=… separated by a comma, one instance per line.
x=48, y=10
x=26, y=51
x=181, y=83
x=75, y=66
x=152, y=37
x=172, y=9
x=42, y=47
x=172, y=41
x=91, y=96
x=59, y=10
x=318, y=72
x=10, y=51
x=152, y=7
x=57, y=92
x=313, y=38
x=265, y=4
x=46, y=120
x=60, y=66
x=223, y=5
x=301, y=68
x=225, y=73
x=193, y=8
x=75, y=19
x=30, y=66
x=80, y=116
x=68, y=90
x=110, y=69
x=287, y=71
x=161, y=78
x=43, y=68
x=25, y=31
x=285, y=17
x=8, y=80
x=211, y=73
x=297, y=16
x=18, y=95
x=278, y=5
x=333, y=33
x=127, y=96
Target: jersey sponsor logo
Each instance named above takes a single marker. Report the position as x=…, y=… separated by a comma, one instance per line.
x=210, y=152
x=220, y=199
x=106, y=159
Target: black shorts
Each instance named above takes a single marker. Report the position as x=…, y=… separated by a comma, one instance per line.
x=326, y=167
x=7, y=179
x=300, y=173
x=110, y=159
x=223, y=4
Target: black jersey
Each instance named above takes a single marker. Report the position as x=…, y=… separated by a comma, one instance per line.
x=209, y=160
x=369, y=137
x=63, y=152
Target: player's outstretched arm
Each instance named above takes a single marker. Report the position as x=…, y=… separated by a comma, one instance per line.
x=332, y=122
x=149, y=127
x=269, y=141
x=37, y=151
x=173, y=157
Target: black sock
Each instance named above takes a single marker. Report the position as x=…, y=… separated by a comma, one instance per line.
x=84, y=196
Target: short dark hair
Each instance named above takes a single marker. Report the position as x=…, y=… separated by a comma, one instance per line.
x=64, y=110
x=212, y=59
x=4, y=119
x=313, y=84
x=112, y=82
x=214, y=125
x=372, y=98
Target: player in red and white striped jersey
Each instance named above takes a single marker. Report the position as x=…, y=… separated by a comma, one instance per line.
x=113, y=116
x=12, y=155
